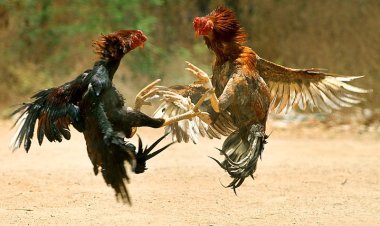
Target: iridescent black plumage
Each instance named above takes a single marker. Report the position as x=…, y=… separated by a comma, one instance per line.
x=94, y=107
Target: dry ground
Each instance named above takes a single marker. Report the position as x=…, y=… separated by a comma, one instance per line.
x=326, y=180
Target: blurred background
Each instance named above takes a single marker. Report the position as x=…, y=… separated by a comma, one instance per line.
x=45, y=43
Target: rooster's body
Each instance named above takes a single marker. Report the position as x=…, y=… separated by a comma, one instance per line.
x=248, y=88
x=94, y=107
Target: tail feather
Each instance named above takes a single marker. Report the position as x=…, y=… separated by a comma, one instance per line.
x=242, y=153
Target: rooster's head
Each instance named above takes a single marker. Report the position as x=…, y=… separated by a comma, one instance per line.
x=115, y=45
x=221, y=25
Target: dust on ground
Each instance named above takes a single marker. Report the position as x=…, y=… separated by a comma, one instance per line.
x=311, y=176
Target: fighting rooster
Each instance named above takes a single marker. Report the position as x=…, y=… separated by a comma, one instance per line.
x=248, y=88
x=94, y=107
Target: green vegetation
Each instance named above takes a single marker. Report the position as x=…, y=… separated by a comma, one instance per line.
x=47, y=42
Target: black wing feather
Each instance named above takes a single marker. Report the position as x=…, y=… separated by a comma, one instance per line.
x=54, y=109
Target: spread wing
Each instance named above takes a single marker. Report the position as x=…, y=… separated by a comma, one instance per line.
x=304, y=88
x=177, y=100
x=54, y=109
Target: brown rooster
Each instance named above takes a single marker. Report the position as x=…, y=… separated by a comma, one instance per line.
x=247, y=87
x=94, y=107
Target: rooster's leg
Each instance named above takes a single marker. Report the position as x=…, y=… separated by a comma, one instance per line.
x=193, y=112
x=144, y=93
x=205, y=81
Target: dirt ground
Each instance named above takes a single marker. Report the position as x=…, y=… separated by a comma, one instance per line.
x=317, y=177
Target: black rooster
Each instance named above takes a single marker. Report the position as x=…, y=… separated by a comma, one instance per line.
x=94, y=107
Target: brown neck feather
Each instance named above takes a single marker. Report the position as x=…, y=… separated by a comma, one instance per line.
x=227, y=37
x=108, y=47
x=224, y=51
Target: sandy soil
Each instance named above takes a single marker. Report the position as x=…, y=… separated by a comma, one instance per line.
x=327, y=180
